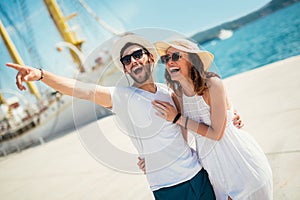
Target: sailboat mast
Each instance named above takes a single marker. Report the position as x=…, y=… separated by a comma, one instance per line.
x=2, y=100
x=67, y=34
x=16, y=58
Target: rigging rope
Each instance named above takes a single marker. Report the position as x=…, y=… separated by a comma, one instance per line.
x=100, y=21
x=31, y=42
x=11, y=23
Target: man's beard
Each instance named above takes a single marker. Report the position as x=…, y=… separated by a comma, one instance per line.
x=146, y=76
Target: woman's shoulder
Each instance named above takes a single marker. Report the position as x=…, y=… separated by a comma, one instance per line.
x=214, y=82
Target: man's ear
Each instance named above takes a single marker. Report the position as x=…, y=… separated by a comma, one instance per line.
x=151, y=57
x=124, y=70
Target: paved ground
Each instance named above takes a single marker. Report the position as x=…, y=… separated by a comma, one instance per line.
x=268, y=99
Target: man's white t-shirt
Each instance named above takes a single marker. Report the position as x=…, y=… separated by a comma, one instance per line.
x=169, y=159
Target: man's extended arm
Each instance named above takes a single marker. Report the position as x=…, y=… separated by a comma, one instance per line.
x=68, y=86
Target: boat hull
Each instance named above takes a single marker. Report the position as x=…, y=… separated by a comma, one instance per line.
x=56, y=121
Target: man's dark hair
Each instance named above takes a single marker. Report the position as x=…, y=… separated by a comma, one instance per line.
x=129, y=44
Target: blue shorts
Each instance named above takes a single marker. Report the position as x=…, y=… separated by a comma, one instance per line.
x=198, y=188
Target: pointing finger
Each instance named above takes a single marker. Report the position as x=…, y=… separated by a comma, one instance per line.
x=15, y=66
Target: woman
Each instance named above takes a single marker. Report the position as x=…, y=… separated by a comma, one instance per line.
x=237, y=167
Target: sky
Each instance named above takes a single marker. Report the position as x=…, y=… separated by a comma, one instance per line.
x=187, y=17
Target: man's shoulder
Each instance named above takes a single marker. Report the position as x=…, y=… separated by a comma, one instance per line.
x=164, y=87
x=121, y=89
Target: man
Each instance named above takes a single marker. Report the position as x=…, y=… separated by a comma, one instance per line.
x=173, y=171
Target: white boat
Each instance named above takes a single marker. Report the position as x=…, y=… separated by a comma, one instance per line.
x=29, y=128
x=225, y=34
x=26, y=124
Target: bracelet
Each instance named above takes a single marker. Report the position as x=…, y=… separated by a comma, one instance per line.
x=176, y=118
x=42, y=74
x=186, y=121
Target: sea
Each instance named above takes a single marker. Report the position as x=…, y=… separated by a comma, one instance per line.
x=264, y=41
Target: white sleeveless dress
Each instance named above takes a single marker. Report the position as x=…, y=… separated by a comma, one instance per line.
x=236, y=165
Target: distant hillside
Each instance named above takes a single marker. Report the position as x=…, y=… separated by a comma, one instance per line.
x=211, y=34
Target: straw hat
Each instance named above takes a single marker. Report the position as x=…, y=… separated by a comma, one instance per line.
x=133, y=38
x=185, y=46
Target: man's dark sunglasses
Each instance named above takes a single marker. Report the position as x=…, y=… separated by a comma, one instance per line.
x=166, y=58
x=138, y=54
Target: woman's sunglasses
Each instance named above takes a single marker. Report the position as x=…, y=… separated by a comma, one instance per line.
x=138, y=54
x=174, y=57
